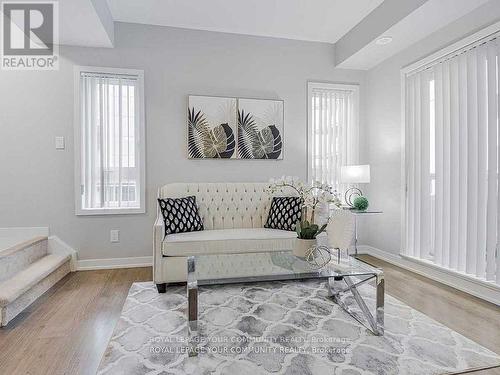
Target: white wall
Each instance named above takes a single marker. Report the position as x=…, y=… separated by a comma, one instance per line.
x=382, y=129
x=37, y=181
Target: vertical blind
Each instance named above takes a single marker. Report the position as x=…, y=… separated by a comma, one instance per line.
x=110, y=175
x=452, y=160
x=333, y=132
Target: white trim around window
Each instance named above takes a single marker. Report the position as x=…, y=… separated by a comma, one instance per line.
x=110, y=167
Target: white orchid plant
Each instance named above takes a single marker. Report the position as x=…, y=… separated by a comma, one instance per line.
x=312, y=197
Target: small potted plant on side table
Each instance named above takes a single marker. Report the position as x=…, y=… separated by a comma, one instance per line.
x=314, y=198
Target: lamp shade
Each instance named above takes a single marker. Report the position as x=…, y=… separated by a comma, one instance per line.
x=355, y=174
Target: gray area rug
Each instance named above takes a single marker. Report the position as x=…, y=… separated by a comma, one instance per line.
x=280, y=328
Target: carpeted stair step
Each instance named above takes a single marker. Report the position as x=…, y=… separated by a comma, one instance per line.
x=23, y=281
x=16, y=258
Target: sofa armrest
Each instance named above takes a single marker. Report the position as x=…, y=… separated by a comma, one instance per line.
x=158, y=235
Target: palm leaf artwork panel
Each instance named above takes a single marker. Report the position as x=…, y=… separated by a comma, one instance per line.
x=211, y=127
x=260, y=129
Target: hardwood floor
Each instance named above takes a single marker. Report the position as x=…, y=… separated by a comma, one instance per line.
x=470, y=316
x=67, y=330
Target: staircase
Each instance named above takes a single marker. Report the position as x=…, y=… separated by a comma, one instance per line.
x=28, y=269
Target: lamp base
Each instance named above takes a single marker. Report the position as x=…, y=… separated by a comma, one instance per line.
x=350, y=194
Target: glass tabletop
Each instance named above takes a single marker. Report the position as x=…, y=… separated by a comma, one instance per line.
x=273, y=265
x=369, y=211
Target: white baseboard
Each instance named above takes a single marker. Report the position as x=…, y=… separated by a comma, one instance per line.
x=102, y=264
x=464, y=283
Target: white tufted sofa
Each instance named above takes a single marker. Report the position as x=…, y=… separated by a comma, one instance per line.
x=233, y=215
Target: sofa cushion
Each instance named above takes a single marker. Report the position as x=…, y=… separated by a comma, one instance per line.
x=220, y=241
x=180, y=215
x=284, y=213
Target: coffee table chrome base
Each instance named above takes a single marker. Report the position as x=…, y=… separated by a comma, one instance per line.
x=337, y=285
x=192, y=297
x=340, y=285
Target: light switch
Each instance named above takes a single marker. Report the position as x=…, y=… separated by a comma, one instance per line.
x=59, y=143
x=114, y=235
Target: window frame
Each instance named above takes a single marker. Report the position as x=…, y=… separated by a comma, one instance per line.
x=79, y=210
x=311, y=85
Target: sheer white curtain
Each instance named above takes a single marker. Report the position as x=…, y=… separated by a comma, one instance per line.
x=452, y=159
x=333, y=131
x=110, y=175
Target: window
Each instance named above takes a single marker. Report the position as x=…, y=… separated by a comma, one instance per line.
x=109, y=139
x=333, y=129
x=452, y=159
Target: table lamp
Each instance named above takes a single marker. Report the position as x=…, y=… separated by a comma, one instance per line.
x=354, y=174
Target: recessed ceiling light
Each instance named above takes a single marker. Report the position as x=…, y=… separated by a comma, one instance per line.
x=383, y=40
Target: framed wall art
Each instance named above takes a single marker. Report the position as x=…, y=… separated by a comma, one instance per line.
x=212, y=127
x=234, y=128
x=260, y=129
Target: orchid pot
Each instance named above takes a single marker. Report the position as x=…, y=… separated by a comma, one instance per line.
x=301, y=246
x=315, y=198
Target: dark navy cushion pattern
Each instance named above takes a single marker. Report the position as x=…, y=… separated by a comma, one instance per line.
x=180, y=215
x=284, y=213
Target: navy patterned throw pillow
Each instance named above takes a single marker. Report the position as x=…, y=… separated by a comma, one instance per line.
x=284, y=213
x=180, y=215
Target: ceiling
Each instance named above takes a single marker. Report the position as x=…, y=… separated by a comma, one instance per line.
x=311, y=20
x=422, y=22
x=351, y=26
x=85, y=23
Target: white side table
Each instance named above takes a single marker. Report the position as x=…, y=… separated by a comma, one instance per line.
x=357, y=214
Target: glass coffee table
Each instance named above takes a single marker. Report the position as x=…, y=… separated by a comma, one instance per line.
x=344, y=276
